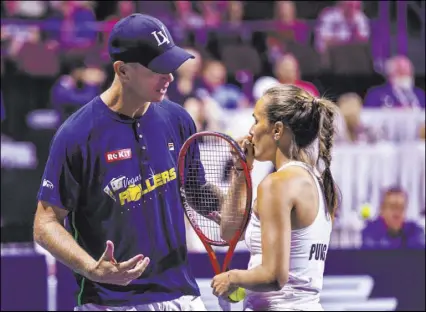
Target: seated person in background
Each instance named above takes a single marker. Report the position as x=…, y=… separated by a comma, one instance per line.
x=187, y=78
x=287, y=71
x=214, y=83
x=78, y=87
x=287, y=27
x=391, y=230
x=344, y=23
x=205, y=111
x=350, y=128
x=399, y=91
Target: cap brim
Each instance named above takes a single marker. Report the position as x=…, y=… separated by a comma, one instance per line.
x=169, y=61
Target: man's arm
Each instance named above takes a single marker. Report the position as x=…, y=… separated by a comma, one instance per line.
x=50, y=233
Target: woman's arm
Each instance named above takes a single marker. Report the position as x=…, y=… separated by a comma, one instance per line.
x=233, y=206
x=274, y=208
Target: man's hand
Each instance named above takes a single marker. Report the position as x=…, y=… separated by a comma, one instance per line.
x=108, y=271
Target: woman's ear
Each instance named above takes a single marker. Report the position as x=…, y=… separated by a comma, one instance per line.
x=278, y=130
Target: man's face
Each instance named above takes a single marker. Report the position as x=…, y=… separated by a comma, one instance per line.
x=214, y=74
x=286, y=70
x=148, y=85
x=402, y=73
x=393, y=210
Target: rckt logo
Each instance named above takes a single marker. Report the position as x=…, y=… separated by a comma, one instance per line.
x=118, y=155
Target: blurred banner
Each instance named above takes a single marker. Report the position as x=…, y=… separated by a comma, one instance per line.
x=355, y=280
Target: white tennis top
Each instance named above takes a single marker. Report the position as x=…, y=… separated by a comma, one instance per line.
x=307, y=257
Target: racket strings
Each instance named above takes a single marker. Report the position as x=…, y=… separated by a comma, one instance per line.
x=216, y=164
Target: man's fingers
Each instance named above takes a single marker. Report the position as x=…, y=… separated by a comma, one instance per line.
x=139, y=268
x=130, y=264
x=109, y=251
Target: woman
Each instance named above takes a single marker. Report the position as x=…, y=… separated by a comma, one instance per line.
x=289, y=231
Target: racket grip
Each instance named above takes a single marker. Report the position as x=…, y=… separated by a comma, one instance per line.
x=224, y=305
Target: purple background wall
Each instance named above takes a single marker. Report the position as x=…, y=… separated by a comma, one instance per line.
x=395, y=274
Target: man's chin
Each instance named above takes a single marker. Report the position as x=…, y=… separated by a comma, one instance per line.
x=158, y=98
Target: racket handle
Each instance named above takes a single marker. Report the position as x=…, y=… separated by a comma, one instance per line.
x=224, y=305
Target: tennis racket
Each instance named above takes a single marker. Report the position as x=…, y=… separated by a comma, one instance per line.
x=207, y=162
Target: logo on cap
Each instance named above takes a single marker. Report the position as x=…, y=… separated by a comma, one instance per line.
x=163, y=34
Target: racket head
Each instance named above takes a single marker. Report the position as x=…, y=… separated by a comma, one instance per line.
x=211, y=150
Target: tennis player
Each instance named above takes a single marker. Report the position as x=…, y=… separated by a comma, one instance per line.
x=289, y=231
x=112, y=172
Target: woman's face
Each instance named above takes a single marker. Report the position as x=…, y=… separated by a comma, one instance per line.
x=262, y=133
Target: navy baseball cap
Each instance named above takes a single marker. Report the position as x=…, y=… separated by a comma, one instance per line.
x=143, y=39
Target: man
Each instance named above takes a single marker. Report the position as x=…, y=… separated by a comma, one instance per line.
x=400, y=90
x=343, y=23
x=112, y=171
x=391, y=230
x=287, y=71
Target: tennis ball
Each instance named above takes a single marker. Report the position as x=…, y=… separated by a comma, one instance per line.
x=366, y=211
x=237, y=295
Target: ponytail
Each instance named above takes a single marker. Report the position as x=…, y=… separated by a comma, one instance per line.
x=327, y=110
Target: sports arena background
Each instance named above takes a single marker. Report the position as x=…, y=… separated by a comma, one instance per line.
x=367, y=56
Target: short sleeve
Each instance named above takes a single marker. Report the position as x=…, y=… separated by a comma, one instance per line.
x=60, y=184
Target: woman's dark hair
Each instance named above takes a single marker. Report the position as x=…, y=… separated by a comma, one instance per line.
x=308, y=118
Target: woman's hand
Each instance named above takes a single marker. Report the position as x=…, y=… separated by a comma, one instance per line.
x=222, y=285
x=248, y=149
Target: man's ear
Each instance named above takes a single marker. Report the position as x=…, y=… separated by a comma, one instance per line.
x=121, y=70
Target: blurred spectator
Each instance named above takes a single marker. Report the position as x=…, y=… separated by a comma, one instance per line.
x=205, y=112
x=27, y=9
x=391, y=230
x=234, y=14
x=36, y=64
x=232, y=32
x=123, y=8
x=14, y=35
x=76, y=30
x=350, y=128
x=399, y=91
x=73, y=90
x=187, y=79
x=163, y=10
x=341, y=24
x=187, y=16
x=214, y=78
x=211, y=12
x=287, y=71
x=36, y=56
x=261, y=85
x=235, y=32
x=287, y=27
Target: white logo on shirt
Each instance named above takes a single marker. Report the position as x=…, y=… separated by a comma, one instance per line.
x=48, y=184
